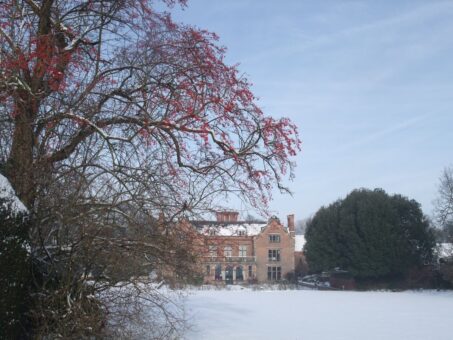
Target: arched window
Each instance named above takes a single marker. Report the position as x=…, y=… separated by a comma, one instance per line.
x=218, y=272
x=239, y=273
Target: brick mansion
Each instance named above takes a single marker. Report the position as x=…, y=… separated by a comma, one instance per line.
x=246, y=251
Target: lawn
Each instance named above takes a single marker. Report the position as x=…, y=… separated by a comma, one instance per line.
x=310, y=314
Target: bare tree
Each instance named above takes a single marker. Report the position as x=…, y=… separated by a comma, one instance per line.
x=443, y=210
x=106, y=261
x=444, y=203
x=138, y=91
x=110, y=115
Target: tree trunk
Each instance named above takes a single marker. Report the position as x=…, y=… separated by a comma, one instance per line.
x=19, y=169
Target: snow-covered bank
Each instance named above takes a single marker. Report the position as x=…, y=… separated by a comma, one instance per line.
x=7, y=192
x=143, y=310
x=309, y=314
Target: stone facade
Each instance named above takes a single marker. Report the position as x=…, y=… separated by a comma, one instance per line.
x=246, y=251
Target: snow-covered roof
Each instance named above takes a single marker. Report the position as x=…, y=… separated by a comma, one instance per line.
x=7, y=191
x=300, y=241
x=238, y=228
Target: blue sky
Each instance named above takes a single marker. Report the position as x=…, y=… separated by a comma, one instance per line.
x=369, y=84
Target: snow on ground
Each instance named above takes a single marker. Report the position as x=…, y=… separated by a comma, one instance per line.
x=312, y=314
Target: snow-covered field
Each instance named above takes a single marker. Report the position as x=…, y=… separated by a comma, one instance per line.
x=310, y=314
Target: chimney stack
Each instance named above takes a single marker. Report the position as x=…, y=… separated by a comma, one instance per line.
x=227, y=216
x=291, y=226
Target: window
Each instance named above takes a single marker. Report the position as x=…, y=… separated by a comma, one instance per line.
x=242, y=251
x=274, y=238
x=274, y=273
x=250, y=272
x=212, y=251
x=229, y=274
x=208, y=270
x=273, y=254
x=241, y=232
x=218, y=272
x=228, y=251
x=239, y=273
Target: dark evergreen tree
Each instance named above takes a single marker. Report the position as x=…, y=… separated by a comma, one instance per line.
x=15, y=274
x=370, y=234
x=321, y=231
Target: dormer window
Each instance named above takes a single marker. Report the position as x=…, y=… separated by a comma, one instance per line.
x=241, y=232
x=212, y=232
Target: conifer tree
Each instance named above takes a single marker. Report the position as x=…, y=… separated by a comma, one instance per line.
x=371, y=234
x=14, y=271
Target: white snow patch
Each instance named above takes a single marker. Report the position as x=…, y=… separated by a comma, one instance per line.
x=300, y=241
x=444, y=249
x=7, y=191
x=311, y=314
